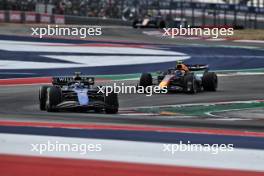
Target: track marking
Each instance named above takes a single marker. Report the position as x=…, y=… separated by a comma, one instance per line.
x=208, y=112
x=135, y=152
x=249, y=41
x=205, y=104
x=43, y=166
x=133, y=128
x=134, y=53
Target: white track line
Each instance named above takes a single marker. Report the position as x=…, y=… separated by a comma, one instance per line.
x=249, y=41
x=136, y=152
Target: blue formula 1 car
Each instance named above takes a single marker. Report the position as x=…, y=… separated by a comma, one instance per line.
x=76, y=93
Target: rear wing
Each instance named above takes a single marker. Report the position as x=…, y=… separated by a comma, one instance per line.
x=65, y=80
x=198, y=67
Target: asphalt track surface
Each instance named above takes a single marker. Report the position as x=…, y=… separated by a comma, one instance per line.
x=20, y=103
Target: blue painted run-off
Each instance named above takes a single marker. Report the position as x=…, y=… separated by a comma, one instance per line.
x=141, y=136
x=219, y=58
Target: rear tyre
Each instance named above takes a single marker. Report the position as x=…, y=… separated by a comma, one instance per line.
x=111, y=103
x=210, y=81
x=145, y=80
x=134, y=24
x=43, y=97
x=54, y=97
x=190, y=85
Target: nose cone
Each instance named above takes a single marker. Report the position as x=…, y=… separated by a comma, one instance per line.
x=163, y=84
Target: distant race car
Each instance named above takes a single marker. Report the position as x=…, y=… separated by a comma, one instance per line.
x=76, y=93
x=183, y=78
x=149, y=22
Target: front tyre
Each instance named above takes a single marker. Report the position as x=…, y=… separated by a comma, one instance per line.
x=111, y=103
x=54, y=97
x=43, y=97
x=145, y=80
x=210, y=81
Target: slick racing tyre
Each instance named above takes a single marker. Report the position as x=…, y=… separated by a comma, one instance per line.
x=190, y=85
x=111, y=103
x=134, y=24
x=43, y=97
x=145, y=80
x=210, y=81
x=54, y=97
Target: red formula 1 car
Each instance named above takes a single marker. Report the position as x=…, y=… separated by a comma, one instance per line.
x=183, y=78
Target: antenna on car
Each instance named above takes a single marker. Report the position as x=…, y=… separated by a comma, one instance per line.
x=77, y=76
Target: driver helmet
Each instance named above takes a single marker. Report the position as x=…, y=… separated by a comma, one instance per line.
x=78, y=85
x=182, y=67
x=178, y=73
